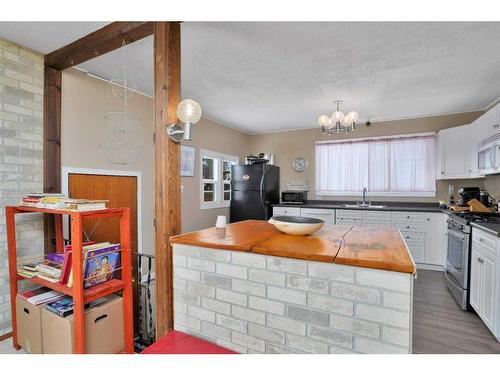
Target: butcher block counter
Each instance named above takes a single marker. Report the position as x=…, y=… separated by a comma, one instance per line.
x=253, y=289
x=365, y=246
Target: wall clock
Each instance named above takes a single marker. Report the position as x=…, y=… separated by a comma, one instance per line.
x=299, y=164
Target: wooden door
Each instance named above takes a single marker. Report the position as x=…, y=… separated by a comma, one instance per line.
x=121, y=191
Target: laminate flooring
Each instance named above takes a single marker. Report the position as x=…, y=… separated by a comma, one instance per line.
x=440, y=326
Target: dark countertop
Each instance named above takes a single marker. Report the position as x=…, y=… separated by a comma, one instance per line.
x=390, y=206
x=491, y=228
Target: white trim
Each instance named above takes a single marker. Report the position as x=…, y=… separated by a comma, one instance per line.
x=349, y=140
x=107, y=172
x=219, y=184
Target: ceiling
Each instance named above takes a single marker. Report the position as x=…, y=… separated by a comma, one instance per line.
x=271, y=76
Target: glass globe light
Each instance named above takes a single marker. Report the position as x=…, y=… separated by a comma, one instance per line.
x=352, y=117
x=323, y=120
x=338, y=117
x=189, y=111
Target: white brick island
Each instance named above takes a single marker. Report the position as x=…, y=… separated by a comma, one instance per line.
x=256, y=303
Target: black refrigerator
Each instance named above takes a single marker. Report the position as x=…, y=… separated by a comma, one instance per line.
x=254, y=189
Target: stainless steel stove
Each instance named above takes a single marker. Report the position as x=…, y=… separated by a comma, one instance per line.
x=458, y=253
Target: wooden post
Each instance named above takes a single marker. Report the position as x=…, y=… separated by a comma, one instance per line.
x=167, y=60
x=51, y=145
x=12, y=251
x=128, y=308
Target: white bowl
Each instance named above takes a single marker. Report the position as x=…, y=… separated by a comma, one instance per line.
x=296, y=225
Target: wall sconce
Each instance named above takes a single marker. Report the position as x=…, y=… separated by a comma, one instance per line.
x=189, y=113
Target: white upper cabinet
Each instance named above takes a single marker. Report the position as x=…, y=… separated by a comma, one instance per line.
x=489, y=123
x=473, y=142
x=453, y=155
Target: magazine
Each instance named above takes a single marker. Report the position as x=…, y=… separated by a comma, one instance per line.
x=100, y=265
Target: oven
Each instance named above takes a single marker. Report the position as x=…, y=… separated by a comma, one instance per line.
x=457, y=261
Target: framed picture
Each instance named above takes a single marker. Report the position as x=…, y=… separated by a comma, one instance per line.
x=187, y=161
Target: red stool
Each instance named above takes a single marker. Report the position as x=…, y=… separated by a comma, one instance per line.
x=176, y=342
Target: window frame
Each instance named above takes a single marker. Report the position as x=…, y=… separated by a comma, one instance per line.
x=395, y=194
x=218, y=180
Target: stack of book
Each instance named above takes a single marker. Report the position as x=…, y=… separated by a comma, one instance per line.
x=28, y=270
x=52, y=201
x=61, y=202
x=49, y=270
x=40, y=296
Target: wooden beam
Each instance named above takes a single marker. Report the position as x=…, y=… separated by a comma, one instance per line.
x=167, y=60
x=51, y=145
x=104, y=40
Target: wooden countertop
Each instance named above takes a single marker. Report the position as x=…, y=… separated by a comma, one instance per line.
x=379, y=247
x=241, y=236
x=321, y=246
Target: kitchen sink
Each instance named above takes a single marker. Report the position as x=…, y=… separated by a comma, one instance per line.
x=363, y=206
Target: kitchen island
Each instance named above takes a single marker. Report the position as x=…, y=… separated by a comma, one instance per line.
x=253, y=289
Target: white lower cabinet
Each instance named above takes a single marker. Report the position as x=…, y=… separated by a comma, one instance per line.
x=424, y=232
x=485, y=276
x=286, y=211
x=327, y=215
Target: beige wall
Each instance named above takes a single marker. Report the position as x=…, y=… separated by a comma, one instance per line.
x=211, y=136
x=289, y=145
x=84, y=101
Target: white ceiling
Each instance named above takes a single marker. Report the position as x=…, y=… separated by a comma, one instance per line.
x=269, y=76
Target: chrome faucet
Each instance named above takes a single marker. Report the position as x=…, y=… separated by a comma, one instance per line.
x=364, y=203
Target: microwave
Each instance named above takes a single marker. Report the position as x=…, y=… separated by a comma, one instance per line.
x=488, y=157
x=294, y=196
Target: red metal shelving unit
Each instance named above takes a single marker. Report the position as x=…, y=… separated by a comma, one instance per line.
x=80, y=295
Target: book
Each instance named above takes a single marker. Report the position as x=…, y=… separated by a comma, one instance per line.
x=66, y=267
x=85, y=204
x=62, y=307
x=31, y=200
x=48, y=278
x=33, y=292
x=99, y=265
x=27, y=274
x=41, y=195
x=29, y=267
x=49, y=268
x=45, y=297
x=56, y=257
x=93, y=246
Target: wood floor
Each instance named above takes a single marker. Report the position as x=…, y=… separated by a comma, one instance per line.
x=440, y=326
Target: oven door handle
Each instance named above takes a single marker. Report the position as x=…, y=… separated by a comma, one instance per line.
x=451, y=280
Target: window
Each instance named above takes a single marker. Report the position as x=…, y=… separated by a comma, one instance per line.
x=216, y=179
x=394, y=166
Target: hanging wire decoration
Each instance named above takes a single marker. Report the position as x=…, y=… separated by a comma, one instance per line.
x=120, y=142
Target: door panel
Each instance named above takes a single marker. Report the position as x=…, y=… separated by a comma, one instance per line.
x=246, y=177
x=475, y=279
x=121, y=191
x=247, y=205
x=488, y=291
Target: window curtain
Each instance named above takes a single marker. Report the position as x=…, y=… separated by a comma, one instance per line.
x=388, y=166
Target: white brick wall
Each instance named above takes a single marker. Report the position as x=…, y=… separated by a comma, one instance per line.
x=21, y=159
x=254, y=303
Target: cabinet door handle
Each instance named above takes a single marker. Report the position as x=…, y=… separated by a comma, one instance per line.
x=496, y=126
x=407, y=227
x=442, y=172
x=481, y=240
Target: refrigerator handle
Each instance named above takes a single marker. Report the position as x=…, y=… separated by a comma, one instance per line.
x=262, y=186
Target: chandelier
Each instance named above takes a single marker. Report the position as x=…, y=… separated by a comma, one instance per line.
x=338, y=122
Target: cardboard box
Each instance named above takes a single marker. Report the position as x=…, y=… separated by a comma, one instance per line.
x=103, y=329
x=29, y=326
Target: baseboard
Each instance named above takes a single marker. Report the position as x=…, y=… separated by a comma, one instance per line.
x=430, y=267
x=6, y=336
